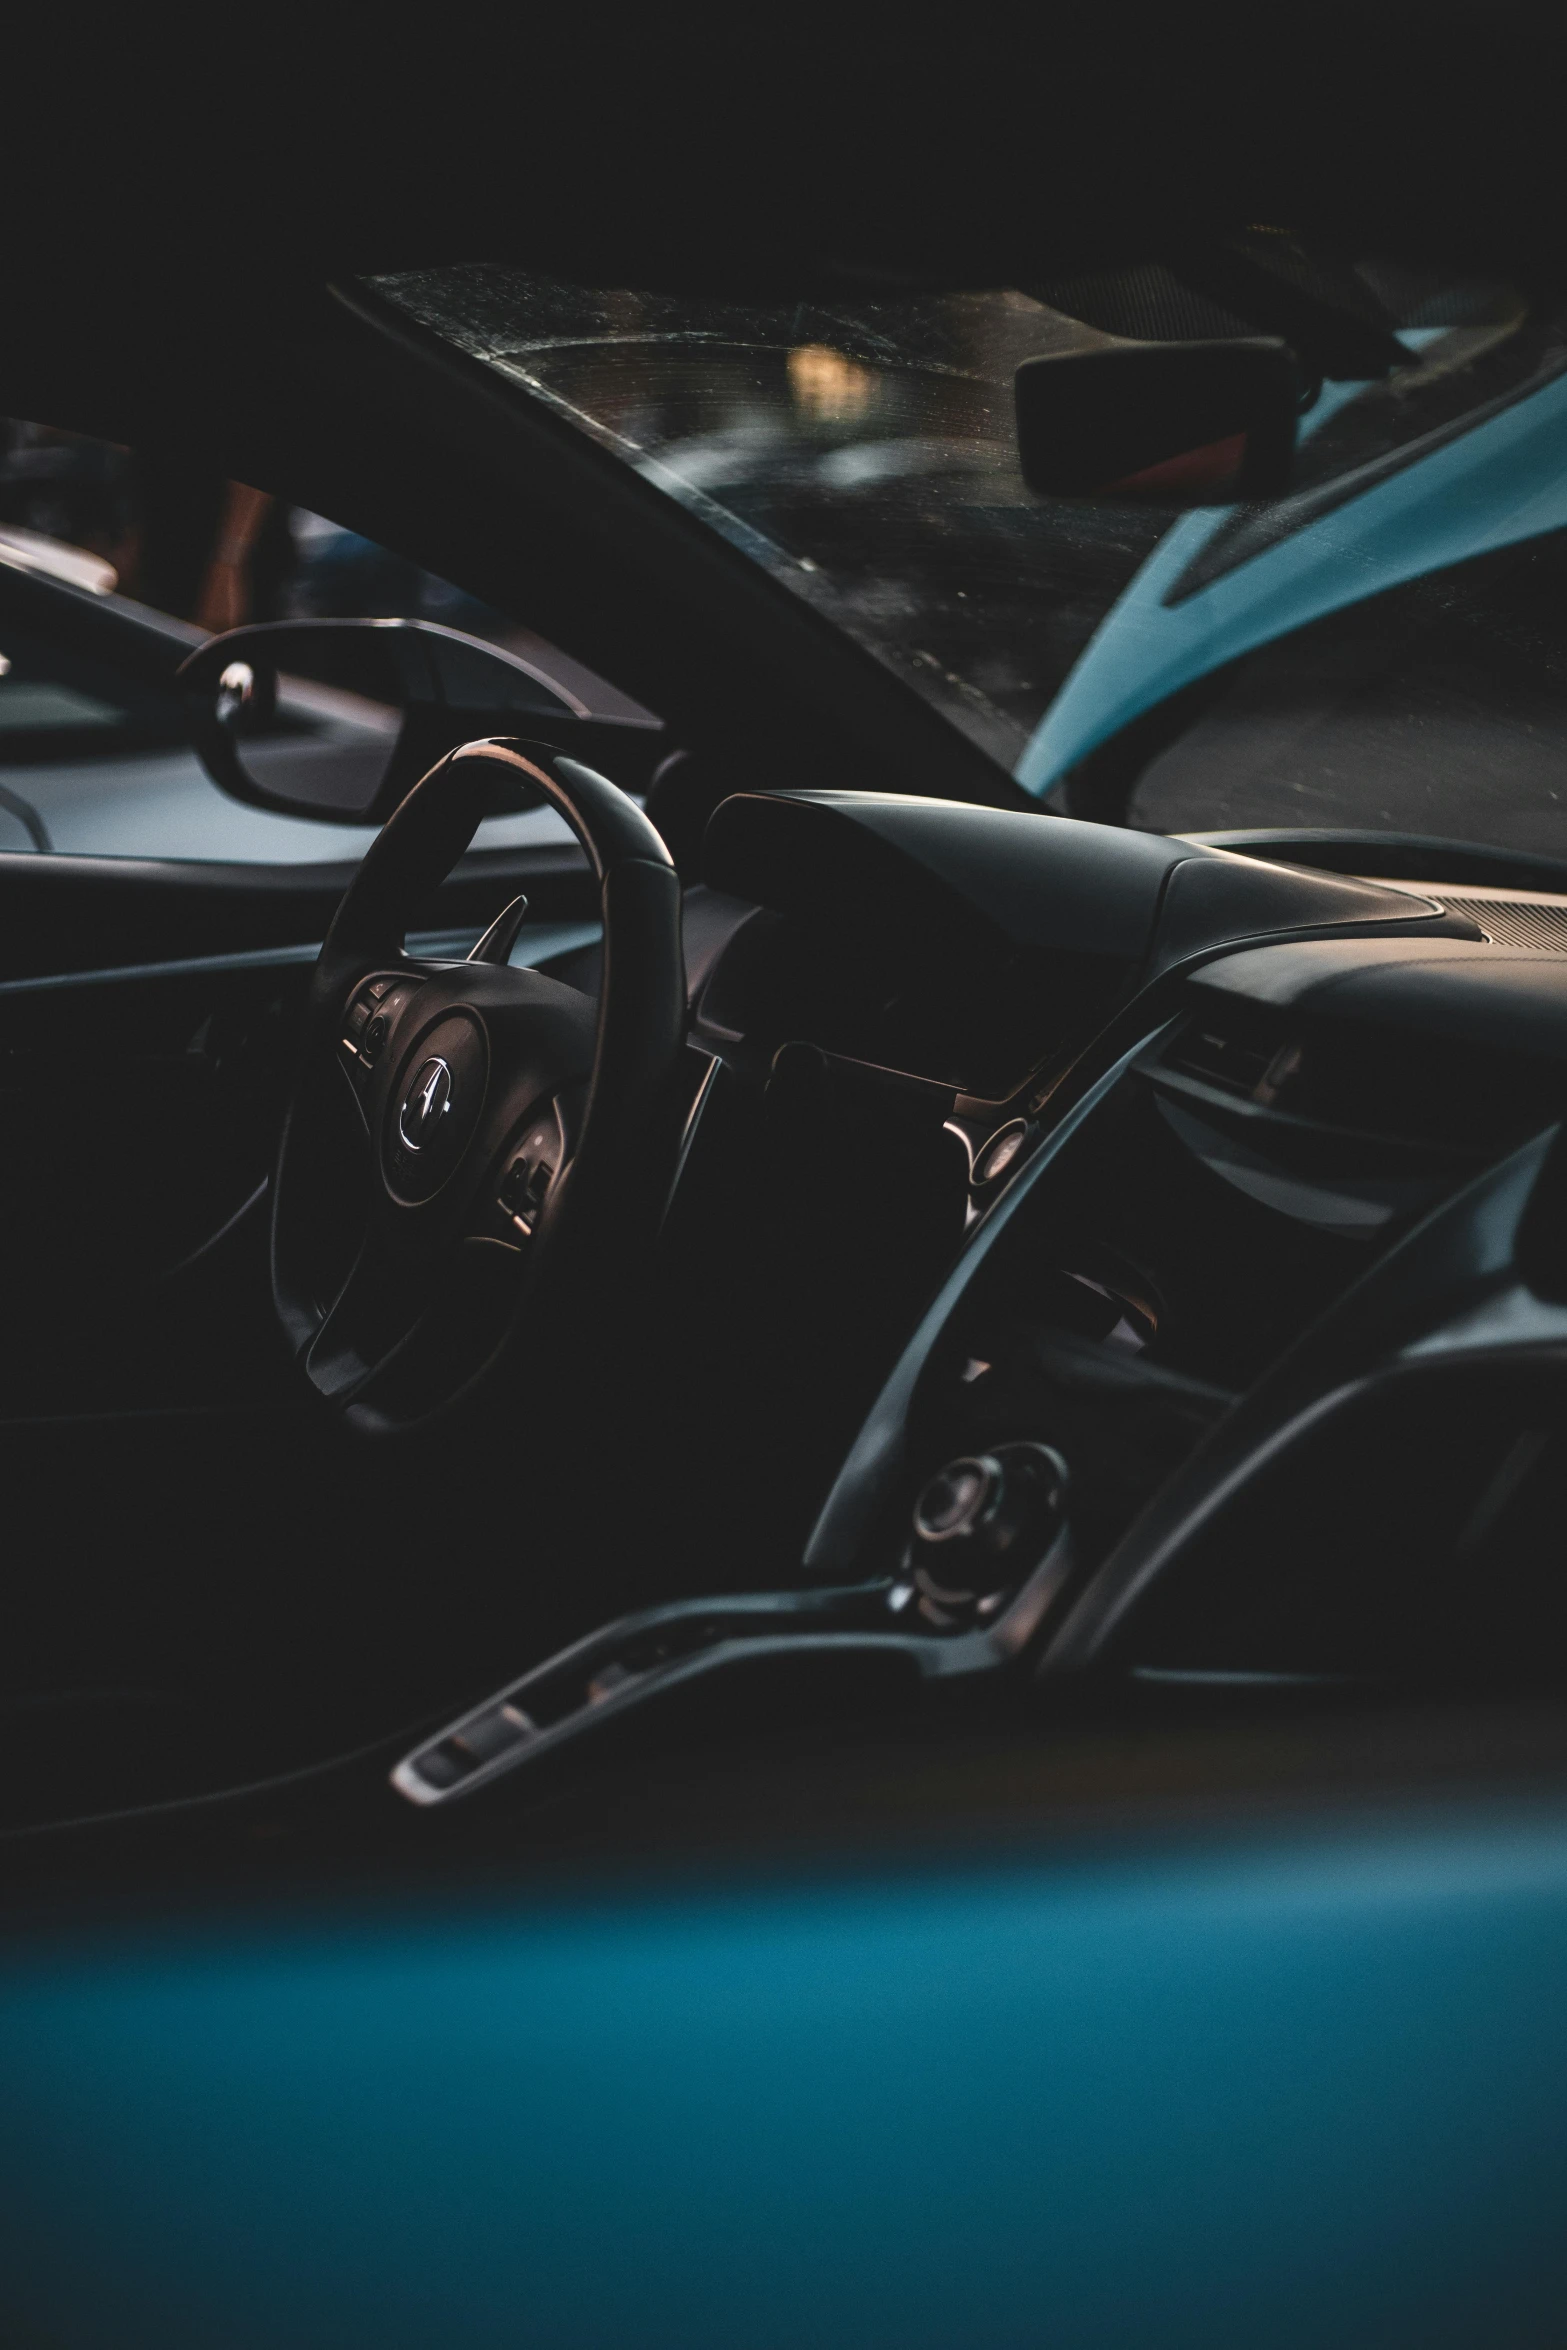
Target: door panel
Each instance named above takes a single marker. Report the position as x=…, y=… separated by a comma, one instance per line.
x=62, y=915
x=140, y=1104
x=151, y=991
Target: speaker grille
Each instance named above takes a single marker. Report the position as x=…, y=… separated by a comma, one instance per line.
x=1516, y=922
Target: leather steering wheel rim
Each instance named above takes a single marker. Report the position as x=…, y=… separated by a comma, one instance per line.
x=524, y=1048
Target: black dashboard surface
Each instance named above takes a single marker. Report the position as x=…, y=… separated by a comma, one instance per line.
x=1230, y=1092
x=977, y=946
x=1011, y=1131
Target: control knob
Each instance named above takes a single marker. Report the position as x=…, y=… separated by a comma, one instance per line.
x=981, y=1525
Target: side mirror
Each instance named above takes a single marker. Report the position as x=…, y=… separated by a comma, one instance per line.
x=338, y=719
x=1164, y=424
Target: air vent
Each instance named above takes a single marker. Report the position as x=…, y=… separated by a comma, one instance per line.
x=1540, y=923
x=1399, y=1089
x=1237, y=1064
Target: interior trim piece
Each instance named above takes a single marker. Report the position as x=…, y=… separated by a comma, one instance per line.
x=544, y=941
x=661, y=1650
x=875, y=1461
x=113, y=906
x=1448, y=1288
x=1401, y=859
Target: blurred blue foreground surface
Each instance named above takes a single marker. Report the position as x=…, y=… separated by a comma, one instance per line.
x=1287, y=2092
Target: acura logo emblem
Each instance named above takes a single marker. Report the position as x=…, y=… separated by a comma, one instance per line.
x=424, y=1106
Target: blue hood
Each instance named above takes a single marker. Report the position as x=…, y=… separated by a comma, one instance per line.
x=1503, y=481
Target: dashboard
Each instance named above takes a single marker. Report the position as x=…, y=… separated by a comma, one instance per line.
x=1116, y=1259
x=1177, y=1116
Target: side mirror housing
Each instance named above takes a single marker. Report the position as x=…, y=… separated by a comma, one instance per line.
x=338, y=719
x=1165, y=424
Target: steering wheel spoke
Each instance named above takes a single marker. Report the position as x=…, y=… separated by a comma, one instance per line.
x=373, y=1313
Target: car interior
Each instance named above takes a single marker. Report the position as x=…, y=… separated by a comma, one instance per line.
x=640, y=1281
x=911, y=1129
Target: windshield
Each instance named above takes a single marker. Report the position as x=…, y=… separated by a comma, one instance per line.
x=1382, y=647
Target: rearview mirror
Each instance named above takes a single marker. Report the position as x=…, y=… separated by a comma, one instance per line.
x=1166, y=424
x=338, y=719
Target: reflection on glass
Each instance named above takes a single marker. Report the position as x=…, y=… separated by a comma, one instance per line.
x=862, y=453
x=828, y=386
x=1382, y=640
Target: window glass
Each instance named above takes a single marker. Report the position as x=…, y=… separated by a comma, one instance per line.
x=861, y=452
x=94, y=760
x=1437, y=707
x=1377, y=648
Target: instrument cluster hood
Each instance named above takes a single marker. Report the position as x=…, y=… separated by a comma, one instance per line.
x=938, y=877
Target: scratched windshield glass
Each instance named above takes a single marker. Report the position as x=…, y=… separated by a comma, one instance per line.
x=1382, y=646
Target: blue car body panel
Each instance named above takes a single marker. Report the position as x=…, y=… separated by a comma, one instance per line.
x=1503, y=482
x=1293, y=2089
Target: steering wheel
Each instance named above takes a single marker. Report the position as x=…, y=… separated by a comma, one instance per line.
x=469, y=1149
